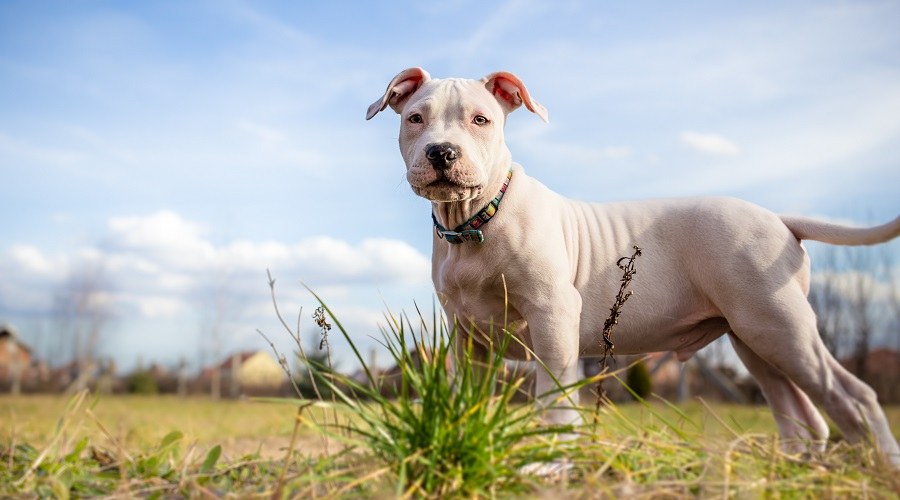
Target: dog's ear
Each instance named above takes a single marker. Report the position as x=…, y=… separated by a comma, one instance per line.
x=398, y=91
x=511, y=93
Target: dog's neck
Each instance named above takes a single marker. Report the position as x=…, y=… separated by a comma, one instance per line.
x=452, y=215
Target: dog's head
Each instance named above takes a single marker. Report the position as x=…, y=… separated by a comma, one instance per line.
x=451, y=130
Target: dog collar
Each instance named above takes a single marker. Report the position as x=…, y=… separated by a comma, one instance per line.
x=469, y=230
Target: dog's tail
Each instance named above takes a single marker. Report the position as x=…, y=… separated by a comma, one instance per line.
x=805, y=228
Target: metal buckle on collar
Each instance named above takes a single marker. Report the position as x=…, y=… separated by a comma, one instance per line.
x=456, y=238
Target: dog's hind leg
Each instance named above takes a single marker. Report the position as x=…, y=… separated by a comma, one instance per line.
x=780, y=329
x=799, y=422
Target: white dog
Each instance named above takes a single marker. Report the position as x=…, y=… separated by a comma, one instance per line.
x=710, y=266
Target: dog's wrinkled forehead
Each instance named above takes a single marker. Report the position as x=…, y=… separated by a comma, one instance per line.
x=449, y=96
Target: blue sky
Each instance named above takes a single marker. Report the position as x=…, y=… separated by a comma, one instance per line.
x=182, y=148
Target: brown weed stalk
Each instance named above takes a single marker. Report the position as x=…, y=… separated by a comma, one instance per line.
x=319, y=318
x=628, y=272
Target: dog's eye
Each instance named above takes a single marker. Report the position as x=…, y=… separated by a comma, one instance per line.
x=415, y=118
x=480, y=120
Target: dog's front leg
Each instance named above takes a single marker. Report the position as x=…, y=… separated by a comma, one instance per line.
x=555, y=338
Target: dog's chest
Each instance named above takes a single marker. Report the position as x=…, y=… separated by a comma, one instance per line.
x=470, y=292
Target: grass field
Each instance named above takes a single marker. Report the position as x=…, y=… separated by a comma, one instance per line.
x=246, y=426
x=126, y=445
x=445, y=434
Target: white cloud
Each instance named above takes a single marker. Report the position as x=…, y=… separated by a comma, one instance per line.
x=851, y=284
x=164, y=237
x=31, y=259
x=397, y=259
x=156, y=230
x=711, y=144
x=373, y=260
x=159, y=306
x=159, y=263
x=27, y=276
x=329, y=260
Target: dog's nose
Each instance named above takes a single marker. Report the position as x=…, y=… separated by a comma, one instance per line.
x=442, y=155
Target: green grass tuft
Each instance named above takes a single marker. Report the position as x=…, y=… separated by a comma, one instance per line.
x=444, y=432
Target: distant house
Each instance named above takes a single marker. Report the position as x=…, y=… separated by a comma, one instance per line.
x=15, y=357
x=251, y=372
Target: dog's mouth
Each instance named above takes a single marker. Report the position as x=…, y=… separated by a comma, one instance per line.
x=445, y=183
x=446, y=190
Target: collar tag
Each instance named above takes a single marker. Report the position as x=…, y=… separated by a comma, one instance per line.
x=457, y=237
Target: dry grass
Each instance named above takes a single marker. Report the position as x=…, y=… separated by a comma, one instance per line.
x=137, y=422
x=637, y=450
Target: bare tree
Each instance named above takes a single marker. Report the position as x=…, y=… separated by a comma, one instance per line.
x=83, y=310
x=221, y=307
x=855, y=294
x=859, y=304
x=15, y=367
x=892, y=272
x=182, y=388
x=872, y=293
